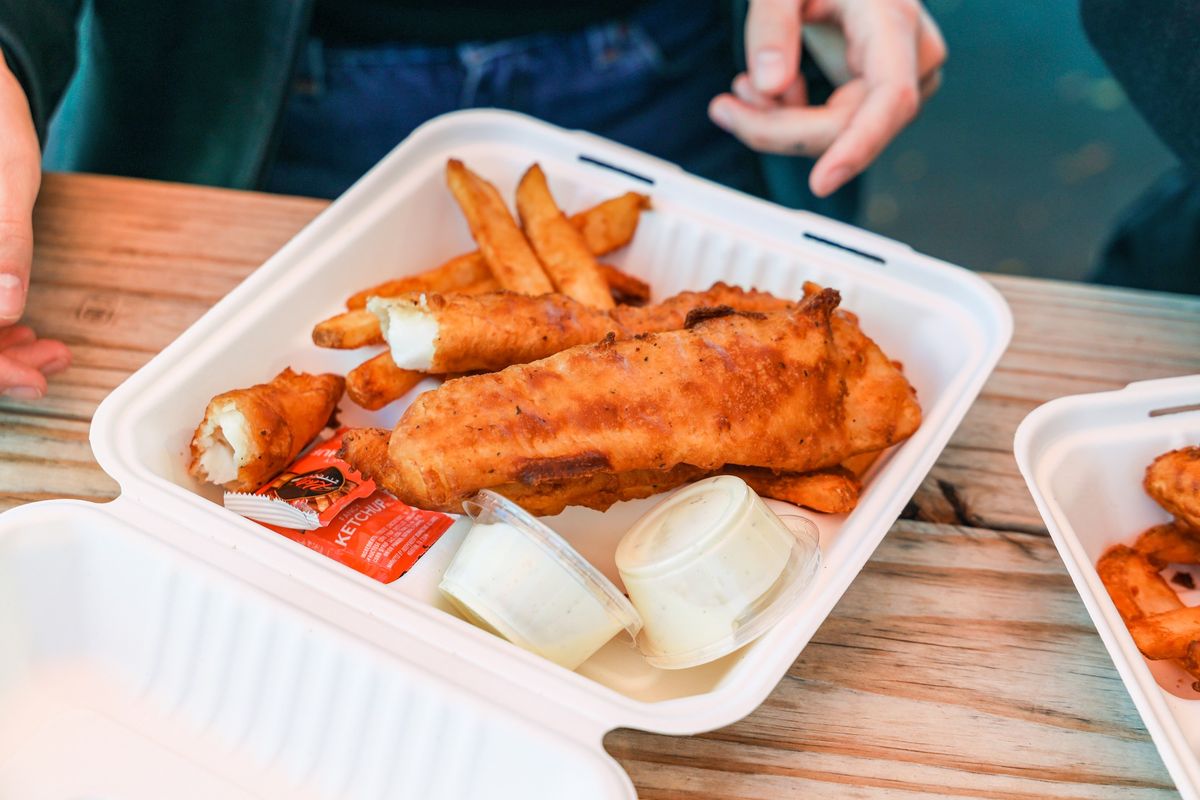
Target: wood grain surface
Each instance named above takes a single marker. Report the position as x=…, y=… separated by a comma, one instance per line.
x=960, y=664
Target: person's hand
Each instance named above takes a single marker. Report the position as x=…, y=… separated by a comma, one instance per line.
x=25, y=361
x=894, y=54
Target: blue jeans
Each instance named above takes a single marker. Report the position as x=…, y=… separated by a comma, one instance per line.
x=644, y=81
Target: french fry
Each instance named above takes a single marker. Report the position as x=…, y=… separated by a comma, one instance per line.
x=625, y=288
x=1167, y=635
x=1133, y=583
x=501, y=242
x=360, y=328
x=378, y=381
x=1142, y=598
x=605, y=227
x=452, y=276
x=862, y=462
x=1169, y=544
x=829, y=491
x=611, y=224
x=559, y=244
x=348, y=330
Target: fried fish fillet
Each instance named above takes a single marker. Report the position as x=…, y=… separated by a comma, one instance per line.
x=249, y=435
x=763, y=390
x=831, y=491
x=441, y=333
x=1173, y=480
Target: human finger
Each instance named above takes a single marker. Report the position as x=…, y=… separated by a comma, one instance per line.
x=20, y=175
x=45, y=355
x=794, y=95
x=20, y=381
x=16, y=334
x=744, y=90
x=805, y=130
x=887, y=44
x=773, y=30
x=930, y=84
x=931, y=45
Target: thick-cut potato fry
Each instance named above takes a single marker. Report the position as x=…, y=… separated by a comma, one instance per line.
x=605, y=227
x=348, y=330
x=360, y=328
x=859, y=464
x=830, y=491
x=452, y=276
x=378, y=381
x=1140, y=594
x=1134, y=584
x=504, y=247
x=611, y=224
x=625, y=288
x=1167, y=635
x=1191, y=663
x=1169, y=544
x=559, y=244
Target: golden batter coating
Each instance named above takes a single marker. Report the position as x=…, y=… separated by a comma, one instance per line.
x=1173, y=480
x=249, y=435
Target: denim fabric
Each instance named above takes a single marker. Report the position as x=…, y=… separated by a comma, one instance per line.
x=645, y=81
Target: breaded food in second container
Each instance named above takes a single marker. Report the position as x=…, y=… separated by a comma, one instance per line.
x=1173, y=480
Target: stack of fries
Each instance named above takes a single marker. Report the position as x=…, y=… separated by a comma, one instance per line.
x=1163, y=628
x=547, y=252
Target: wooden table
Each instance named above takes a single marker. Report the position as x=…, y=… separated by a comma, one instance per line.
x=960, y=664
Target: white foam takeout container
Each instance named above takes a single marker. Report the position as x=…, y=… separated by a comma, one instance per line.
x=162, y=646
x=1084, y=458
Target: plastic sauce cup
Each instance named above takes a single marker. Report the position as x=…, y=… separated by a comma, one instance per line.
x=517, y=578
x=712, y=568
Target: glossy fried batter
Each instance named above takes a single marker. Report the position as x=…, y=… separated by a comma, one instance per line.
x=831, y=491
x=1134, y=584
x=249, y=435
x=489, y=332
x=763, y=390
x=1173, y=480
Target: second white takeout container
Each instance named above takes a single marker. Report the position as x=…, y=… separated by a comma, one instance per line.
x=1084, y=458
x=297, y=671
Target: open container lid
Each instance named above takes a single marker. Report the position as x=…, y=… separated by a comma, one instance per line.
x=707, y=227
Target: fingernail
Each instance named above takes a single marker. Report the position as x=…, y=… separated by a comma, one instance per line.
x=768, y=70
x=834, y=180
x=721, y=115
x=23, y=393
x=12, y=298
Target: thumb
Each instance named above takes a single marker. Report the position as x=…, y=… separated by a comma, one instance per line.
x=20, y=174
x=16, y=255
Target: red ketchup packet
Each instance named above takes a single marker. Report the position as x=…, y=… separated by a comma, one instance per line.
x=321, y=502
